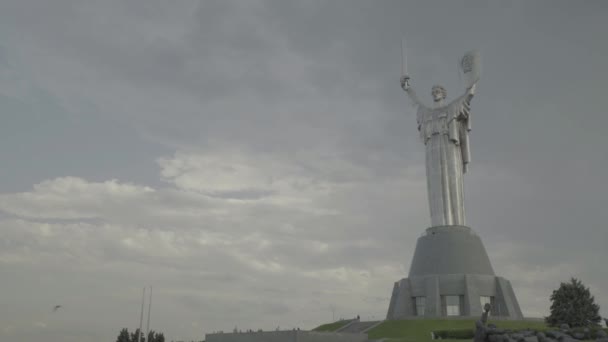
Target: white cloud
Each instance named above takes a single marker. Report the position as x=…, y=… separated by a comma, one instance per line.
x=201, y=230
x=71, y=198
x=7, y=329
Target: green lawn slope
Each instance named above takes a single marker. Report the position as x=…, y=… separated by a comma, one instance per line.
x=332, y=326
x=419, y=330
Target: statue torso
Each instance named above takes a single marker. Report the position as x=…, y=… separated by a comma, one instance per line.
x=433, y=121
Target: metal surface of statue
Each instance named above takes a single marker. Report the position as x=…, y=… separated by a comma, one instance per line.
x=444, y=130
x=450, y=273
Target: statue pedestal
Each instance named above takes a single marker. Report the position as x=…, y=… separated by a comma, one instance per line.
x=451, y=275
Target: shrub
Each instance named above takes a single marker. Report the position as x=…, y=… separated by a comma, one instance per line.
x=456, y=334
x=573, y=304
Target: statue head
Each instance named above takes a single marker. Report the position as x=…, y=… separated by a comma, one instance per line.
x=439, y=93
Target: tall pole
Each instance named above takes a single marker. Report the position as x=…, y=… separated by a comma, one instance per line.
x=141, y=316
x=149, y=307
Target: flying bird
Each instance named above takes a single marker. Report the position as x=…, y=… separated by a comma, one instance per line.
x=56, y=308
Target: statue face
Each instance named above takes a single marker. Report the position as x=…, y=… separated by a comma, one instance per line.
x=438, y=94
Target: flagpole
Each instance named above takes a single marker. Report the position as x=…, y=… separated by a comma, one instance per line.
x=149, y=307
x=141, y=316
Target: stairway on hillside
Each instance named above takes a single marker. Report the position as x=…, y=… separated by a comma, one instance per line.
x=357, y=327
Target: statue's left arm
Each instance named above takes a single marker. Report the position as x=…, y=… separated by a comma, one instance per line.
x=461, y=106
x=460, y=124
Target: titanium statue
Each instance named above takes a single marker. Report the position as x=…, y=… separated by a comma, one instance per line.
x=444, y=129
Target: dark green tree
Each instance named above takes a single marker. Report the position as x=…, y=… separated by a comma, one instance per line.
x=135, y=335
x=151, y=336
x=573, y=304
x=123, y=336
x=155, y=337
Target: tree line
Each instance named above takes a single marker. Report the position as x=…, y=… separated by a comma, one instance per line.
x=125, y=336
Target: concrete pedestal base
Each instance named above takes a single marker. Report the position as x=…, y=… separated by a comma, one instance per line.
x=450, y=265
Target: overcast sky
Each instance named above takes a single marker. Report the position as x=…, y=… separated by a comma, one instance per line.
x=257, y=163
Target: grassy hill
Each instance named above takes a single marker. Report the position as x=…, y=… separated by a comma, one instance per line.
x=332, y=326
x=419, y=330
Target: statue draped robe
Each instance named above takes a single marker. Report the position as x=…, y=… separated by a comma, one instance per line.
x=444, y=131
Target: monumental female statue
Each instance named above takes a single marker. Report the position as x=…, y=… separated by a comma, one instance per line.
x=444, y=130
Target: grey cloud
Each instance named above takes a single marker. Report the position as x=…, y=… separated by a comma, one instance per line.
x=246, y=194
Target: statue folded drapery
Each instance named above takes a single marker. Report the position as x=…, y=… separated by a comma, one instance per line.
x=444, y=129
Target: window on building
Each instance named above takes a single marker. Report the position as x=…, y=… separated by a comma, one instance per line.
x=419, y=305
x=452, y=305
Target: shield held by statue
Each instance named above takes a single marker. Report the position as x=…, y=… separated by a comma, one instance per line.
x=470, y=64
